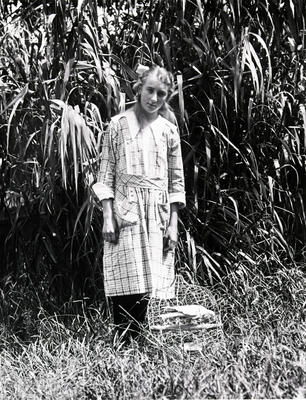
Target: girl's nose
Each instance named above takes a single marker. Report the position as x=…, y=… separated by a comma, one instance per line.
x=154, y=96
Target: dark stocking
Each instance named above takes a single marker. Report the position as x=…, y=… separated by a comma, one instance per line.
x=129, y=313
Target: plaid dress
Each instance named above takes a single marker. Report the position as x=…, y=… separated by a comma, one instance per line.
x=142, y=170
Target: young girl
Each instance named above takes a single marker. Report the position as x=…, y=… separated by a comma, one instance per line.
x=141, y=185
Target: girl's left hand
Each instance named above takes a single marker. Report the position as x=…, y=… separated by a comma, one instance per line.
x=170, y=238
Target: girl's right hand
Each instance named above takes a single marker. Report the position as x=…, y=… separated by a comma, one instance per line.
x=110, y=231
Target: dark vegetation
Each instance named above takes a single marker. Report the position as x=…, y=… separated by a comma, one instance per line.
x=240, y=103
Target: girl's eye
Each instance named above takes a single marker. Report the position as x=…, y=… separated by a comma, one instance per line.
x=161, y=94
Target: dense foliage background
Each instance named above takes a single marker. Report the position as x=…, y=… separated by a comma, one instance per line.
x=67, y=67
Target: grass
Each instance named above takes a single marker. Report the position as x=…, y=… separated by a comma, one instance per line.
x=242, y=134
x=261, y=354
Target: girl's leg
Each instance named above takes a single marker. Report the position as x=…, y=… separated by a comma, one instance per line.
x=129, y=313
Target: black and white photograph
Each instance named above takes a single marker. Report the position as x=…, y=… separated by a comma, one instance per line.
x=152, y=199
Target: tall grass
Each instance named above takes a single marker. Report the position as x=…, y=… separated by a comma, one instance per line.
x=239, y=102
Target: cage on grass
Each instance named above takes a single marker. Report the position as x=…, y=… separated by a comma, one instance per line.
x=191, y=317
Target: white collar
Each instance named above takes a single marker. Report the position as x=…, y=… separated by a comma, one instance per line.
x=156, y=126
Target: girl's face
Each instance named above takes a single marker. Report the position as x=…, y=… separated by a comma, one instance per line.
x=153, y=94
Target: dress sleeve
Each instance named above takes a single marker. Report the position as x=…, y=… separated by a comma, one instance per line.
x=104, y=188
x=176, y=184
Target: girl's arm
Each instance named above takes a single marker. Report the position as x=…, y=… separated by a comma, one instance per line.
x=173, y=215
x=104, y=188
x=176, y=184
x=176, y=188
x=171, y=234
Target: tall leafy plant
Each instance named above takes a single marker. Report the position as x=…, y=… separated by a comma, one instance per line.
x=58, y=90
x=239, y=100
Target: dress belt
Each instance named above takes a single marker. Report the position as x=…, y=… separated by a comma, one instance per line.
x=141, y=181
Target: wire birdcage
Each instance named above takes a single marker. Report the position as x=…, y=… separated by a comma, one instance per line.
x=199, y=331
